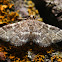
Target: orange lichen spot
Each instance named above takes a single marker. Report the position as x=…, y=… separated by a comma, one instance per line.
x=59, y=59
x=1, y=49
x=1, y=22
x=39, y=58
x=0, y=1
x=3, y=7
x=29, y=10
x=25, y=0
x=50, y=51
x=10, y=6
x=17, y=61
x=33, y=13
x=1, y=17
x=5, y=1
x=25, y=59
x=33, y=9
x=5, y=53
x=30, y=4
x=11, y=57
x=12, y=16
x=30, y=49
x=18, y=58
x=36, y=11
x=40, y=19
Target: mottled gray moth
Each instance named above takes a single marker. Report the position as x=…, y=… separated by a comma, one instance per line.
x=30, y=30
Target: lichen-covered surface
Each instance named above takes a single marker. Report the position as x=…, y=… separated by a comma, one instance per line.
x=6, y=12
x=56, y=8
x=26, y=8
x=11, y=11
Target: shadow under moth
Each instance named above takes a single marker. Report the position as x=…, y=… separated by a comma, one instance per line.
x=30, y=30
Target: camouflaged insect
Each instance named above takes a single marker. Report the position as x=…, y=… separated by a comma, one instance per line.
x=30, y=30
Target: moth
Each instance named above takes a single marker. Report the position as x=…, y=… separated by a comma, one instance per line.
x=30, y=30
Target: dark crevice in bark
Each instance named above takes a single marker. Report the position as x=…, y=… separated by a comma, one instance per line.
x=46, y=13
